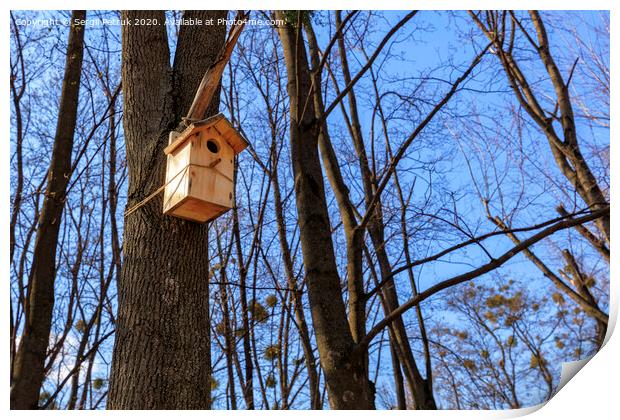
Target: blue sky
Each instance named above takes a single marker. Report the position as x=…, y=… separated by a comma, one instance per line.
x=434, y=46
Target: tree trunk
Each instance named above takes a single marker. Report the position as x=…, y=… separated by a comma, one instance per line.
x=159, y=357
x=296, y=294
x=580, y=176
x=342, y=360
x=248, y=386
x=29, y=370
x=399, y=384
x=421, y=391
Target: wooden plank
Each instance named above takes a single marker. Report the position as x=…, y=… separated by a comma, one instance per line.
x=234, y=138
x=177, y=186
x=211, y=80
x=179, y=139
x=208, y=185
x=196, y=210
x=172, y=136
x=220, y=123
x=201, y=155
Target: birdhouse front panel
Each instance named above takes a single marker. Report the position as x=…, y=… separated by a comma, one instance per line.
x=200, y=170
x=200, y=173
x=211, y=168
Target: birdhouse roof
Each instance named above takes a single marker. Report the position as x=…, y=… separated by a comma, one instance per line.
x=220, y=123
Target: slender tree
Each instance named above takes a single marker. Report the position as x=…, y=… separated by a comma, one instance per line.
x=29, y=370
x=342, y=360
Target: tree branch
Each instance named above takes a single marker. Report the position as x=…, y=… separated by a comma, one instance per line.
x=492, y=265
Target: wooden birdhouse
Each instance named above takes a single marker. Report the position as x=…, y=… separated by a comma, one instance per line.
x=200, y=169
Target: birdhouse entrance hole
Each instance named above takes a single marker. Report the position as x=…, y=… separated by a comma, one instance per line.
x=200, y=169
x=212, y=146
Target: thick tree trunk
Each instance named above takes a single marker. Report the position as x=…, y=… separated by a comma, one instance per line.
x=342, y=360
x=354, y=236
x=29, y=369
x=159, y=359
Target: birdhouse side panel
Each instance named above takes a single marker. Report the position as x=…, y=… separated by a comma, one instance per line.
x=177, y=177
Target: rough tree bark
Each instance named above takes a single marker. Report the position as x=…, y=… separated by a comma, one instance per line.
x=343, y=361
x=29, y=371
x=159, y=357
